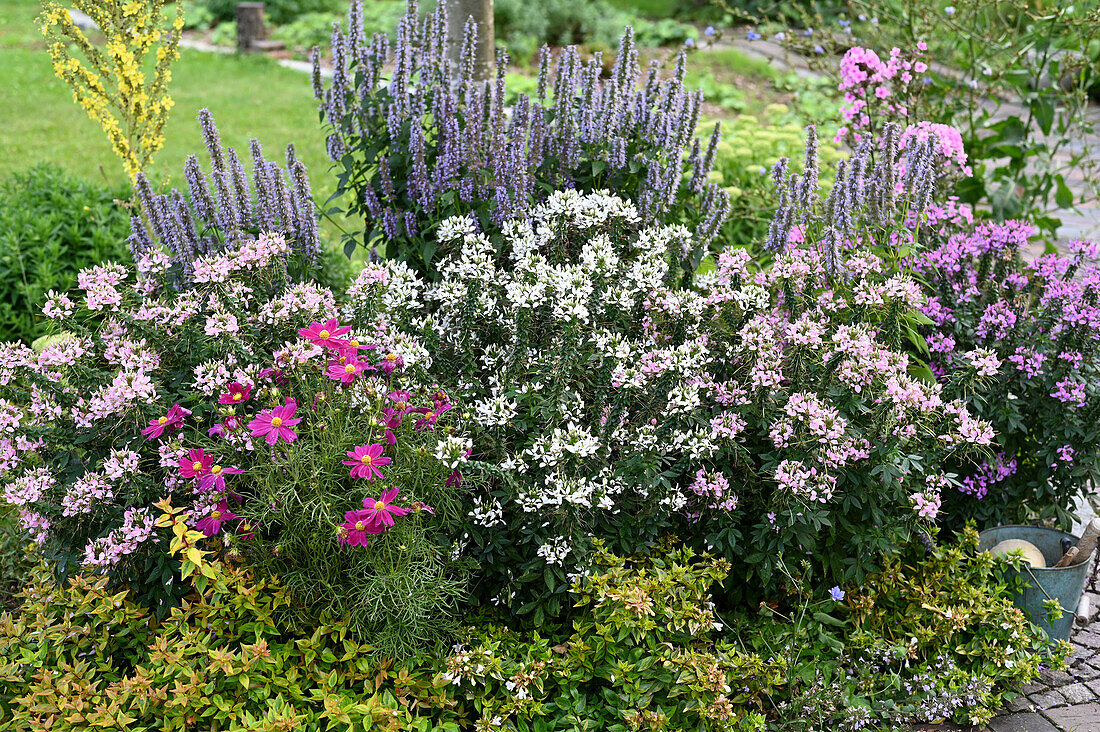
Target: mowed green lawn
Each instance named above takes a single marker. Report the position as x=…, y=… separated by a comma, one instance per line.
x=249, y=97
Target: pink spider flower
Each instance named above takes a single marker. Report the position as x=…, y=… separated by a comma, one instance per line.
x=196, y=464
x=173, y=420
x=346, y=371
x=271, y=424
x=381, y=512
x=358, y=527
x=237, y=394
x=430, y=416
x=327, y=334
x=366, y=461
x=216, y=478
x=212, y=524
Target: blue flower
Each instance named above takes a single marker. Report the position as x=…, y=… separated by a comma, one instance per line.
x=949, y=10
x=709, y=31
x=837, y=594
x=689, y=42
x=753, y=36
x=808, y=32
x=819, y=49
x=844, y=23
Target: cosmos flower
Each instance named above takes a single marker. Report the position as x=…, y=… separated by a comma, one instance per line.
x=366, y=461
x=195, y=464
x=346, y=371
x=237, y=394
x=173, y=420
x=381, y=512
x=216, y=478
x=327, y=334
x=271, y=424
x=358, y=527
x=212, y=524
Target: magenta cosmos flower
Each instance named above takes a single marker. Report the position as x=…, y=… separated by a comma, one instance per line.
x=358, y=527
x=390, y=363
x=171, y=421
x=237, y=394
x=212, y=524
x=382, y=512
x=327, y=334
x=196, y=464
x=216, y=478
x=346, y=370
x=429, y=416
x=271, y=424
x=366, y=461
x=350, y=349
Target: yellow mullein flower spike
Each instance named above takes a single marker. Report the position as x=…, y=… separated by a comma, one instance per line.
x=123, y=84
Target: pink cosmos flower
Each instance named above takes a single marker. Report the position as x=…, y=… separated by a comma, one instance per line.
x=346, y=370
x=271, y=424
x=428, y=421
x=366, y=461
x=196, y=464
x=390, y=363
x=171, y=421
x=237, y=394
x=216, y=478
x=212, y=524
x=358, y=527
x=418, y=506
x=402, y=401
x=351, y=349
x=381, y=512
x=327, y=334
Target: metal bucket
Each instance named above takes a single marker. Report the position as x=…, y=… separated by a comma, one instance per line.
x=1063, y=584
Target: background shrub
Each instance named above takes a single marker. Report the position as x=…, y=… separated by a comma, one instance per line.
x=278, y=12
x=52, y=226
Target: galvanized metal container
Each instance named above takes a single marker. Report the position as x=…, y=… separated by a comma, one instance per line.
x=1063, y=584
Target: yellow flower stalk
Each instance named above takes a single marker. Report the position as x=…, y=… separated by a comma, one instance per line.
x=123, y=83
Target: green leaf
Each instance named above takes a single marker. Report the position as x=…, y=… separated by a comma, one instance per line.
x=1063, y=196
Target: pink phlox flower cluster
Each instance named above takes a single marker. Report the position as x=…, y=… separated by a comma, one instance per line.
x=100, y=284
x=88, y=490
x=1028, y=361
x=29, y=488
x=136, y=529
x=988, y=474
x=120, y=463
x=951, y=211
x=1084, y=249
x=996, y=322
x=871, y=84
x=803, y=481
x=714, y=489
x=1070, y=391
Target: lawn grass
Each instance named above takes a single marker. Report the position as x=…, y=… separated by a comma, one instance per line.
x=249, y=96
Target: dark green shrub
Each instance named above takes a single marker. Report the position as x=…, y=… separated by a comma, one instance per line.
x=51, y=226
x=14, y=565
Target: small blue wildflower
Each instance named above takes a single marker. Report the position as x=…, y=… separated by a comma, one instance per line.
x=837, y=594
x=709, y=31
x=689, y=42
x=780, y=36
x=753, y=36
x=844, y=23
x=949, y=10
x=819, y=49
x=862, y=18
x=808, y=32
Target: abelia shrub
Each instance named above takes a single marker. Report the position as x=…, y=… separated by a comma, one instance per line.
x=767, y=413
x=1032, y=328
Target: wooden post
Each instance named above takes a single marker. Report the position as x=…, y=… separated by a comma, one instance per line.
x=458, y=11
x=250, y=26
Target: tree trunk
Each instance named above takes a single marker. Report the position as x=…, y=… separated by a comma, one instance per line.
x=250, y=26
x=482, y=13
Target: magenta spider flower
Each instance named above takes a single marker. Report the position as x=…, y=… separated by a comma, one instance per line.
x=271, y=424
x=216, y=478
x=346, y=370
x=212, y=524
x=196, y=464
x=366, y=461
x=173, y=420
x=428, y=420
x=238, y=393
x=327, y=334
x=390, y=363
x=381, y=512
